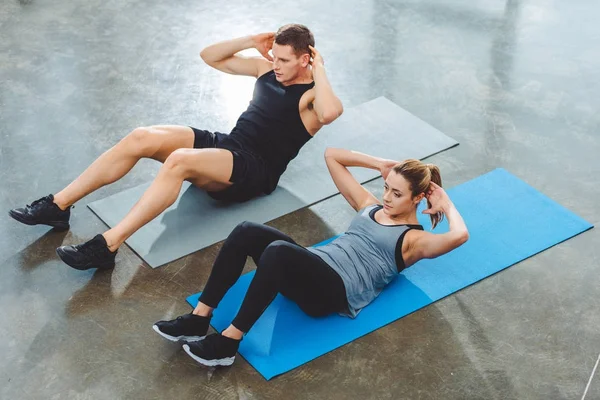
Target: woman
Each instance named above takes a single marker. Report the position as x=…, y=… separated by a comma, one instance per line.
x=342, y=276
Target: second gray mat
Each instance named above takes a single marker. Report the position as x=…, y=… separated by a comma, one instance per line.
x=195, y=221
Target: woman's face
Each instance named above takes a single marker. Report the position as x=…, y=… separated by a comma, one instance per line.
x=397, y=196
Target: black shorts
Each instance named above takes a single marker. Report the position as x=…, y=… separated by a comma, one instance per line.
x=250, y=174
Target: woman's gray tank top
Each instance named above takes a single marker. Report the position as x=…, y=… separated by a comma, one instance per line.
x=365, y=257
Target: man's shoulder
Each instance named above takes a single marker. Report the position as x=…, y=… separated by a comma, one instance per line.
x=263, y=67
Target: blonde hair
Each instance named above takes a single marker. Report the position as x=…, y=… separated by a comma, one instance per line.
x=419, y=175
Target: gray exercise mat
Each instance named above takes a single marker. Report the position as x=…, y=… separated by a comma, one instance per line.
x=195, y=221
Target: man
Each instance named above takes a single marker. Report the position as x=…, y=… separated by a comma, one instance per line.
x=292, y=100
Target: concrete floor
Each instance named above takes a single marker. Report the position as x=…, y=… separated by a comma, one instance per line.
x=515, y=82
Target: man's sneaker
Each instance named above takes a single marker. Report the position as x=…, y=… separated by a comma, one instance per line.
x=188, y=327
x=91, y=254
x=214, y=350
x=43, y=211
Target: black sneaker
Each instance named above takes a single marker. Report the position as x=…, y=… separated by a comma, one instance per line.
x=188, y=327
x=43, y=211
x=214, y=350
x=91, y=254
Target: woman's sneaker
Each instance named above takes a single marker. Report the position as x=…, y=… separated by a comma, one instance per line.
x=188, y=327
x=214, y=350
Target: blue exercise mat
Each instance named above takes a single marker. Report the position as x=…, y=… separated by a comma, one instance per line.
x=508, y=222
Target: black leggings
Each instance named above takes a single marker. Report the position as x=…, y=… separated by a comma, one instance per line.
x=282, y=267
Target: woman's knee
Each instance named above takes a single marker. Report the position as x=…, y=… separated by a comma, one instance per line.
x=279, y=246
x=278, y=252
x=247, y=229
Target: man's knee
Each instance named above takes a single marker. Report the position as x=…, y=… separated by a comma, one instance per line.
x=179, y=161
x=140, y=141
x=138, y=135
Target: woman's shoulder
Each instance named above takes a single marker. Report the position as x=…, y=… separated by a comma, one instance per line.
x=410, y=245
x=368, y=208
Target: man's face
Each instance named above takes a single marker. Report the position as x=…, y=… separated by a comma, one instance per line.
x=286, y=64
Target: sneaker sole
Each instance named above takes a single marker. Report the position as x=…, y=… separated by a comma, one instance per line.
x=63, y=256
x=177, y=338
x=222, y=362
x=58, y=225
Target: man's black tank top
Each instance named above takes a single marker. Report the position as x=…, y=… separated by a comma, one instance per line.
x=271, y=127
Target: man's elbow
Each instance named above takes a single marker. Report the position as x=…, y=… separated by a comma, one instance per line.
x=330, y=152
x=330, y=115
x=205, y=56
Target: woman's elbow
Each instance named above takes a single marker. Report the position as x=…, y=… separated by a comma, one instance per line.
x=462, y=238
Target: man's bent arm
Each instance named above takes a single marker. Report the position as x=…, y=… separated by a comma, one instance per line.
x=326, y=104
x=223, y=57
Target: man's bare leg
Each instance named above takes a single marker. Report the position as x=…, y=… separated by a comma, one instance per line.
x=156, y=142
x=206, y=168
x=203, y=167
